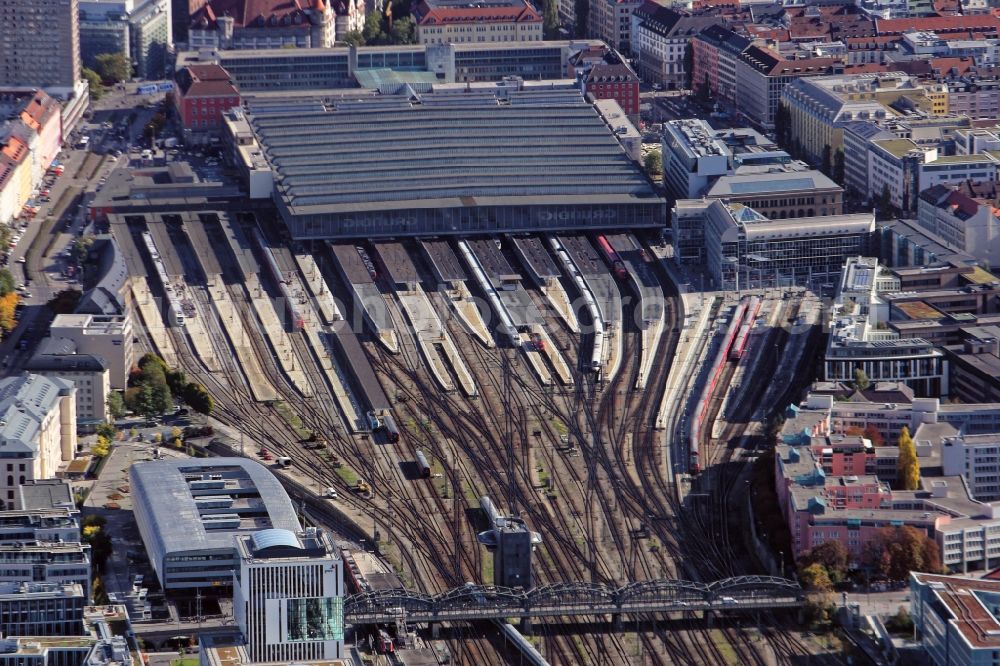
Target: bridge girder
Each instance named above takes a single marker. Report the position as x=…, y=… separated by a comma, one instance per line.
x=567, y=593
x=662, y=589
x=756, y=585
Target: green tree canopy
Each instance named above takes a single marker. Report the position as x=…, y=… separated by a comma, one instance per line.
x=550, y=21
x=861, y=381
x=116, y=405
x=7, y=284
x=198, y=398
x=372, y=32
x=114, y=67
x=653, y=162
x=94, y=85
x=353, y=38
x=404, y=30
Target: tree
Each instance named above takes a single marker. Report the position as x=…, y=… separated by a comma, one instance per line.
x=814, y=577
x=101, y=447
x=403, y=30
x=372, y=32
x=64, y=302
x=353, y=38
x=81, y=248
x=901, y=623
x=896, y=551
x=885, y=209
x=106, y=430
x=151, y=358
x=839, y=167
x=871, y=433
x=7, y=283
x=550, y=20
x=198, y=398
x=93, y=80
x=653, y=162
x=162, y=401
x=114, y=67
x=826, y=164
x=832, y=555
x=907, y=467
x=8, y=311
x=861, y=381
x=116, y=405
x=177, y=381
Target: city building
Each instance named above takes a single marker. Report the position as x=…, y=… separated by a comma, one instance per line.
x=950, y=169
x=41, y=609
x=975, y=364
x=614, y=80
x=45, y=562
x=777, y=193
x=695, y=155
x=894, y=168
x=457, y=21
x=106, y=336
x=861, y=339
x=203, y=93
x=58, y=358
x=741, y=248
x=904, y=243
x=29, y=141
x=485, y=182
x=611, y=22
x=322, y=69
x=661, y=38
x=967, y=223
x=857, y=138
x=190, y=513
x=288, y=596
x=819, y=106
x=138, y=28
x=37, y=431
x=266, y=24
x=761, y=77
x=955, y=618
x=41, y=45
x=715, y=51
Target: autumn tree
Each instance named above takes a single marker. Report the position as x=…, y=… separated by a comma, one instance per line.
x=907, y=466
x=815, y=578
x=871, y=433
x=896, y=551
x=8, y=311
x=832, y=555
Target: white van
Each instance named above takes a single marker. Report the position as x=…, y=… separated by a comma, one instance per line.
x=283, y=461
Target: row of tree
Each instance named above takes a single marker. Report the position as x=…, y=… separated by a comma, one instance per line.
x=153, y=387
x=891, y=553
x=8, y=302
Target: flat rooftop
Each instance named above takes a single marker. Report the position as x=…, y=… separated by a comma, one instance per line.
x=446, y=150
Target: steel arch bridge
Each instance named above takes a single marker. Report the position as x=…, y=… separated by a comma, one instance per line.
x=488, y=602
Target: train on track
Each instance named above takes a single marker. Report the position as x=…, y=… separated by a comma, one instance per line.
x=291, y=307
x=612, y=257
x=741, y=316
x=422, y=467
x=743, y=337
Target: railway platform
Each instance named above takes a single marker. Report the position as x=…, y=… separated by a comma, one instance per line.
x=468, y=311
x=556, y=359
x=317, y=286
x=276, y=334
x=429, y=332
x=262, y=389
x=150, y=313
x=353, y=414
x=535, y=360
x=557, y=297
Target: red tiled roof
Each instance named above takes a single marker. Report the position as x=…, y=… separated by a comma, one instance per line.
x=947, y=65
x=516, y=12
x=247, y=12
x=760, y=32
x=937, y=24
x=205, y=81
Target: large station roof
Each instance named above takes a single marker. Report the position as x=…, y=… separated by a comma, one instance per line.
x=446, y=149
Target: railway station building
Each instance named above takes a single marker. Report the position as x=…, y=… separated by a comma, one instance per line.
x=511, y=158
